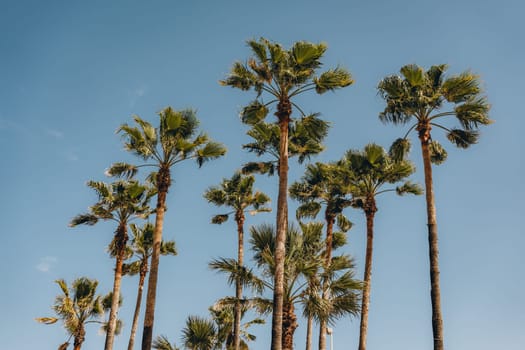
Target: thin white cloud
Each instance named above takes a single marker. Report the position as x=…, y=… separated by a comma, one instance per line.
x=46, y=263
x=136, y=94
x=55, y=133
x=72, y=156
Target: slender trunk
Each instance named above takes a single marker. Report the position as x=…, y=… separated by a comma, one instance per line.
x=80, y=336
x=134, y=326
x=284, y=110
x=309, y=330
x=289, y=325
x=370, y=210
x=330, y=219
x=121, y=239
x=435, y=293
x=163, y=184
x=239, y=217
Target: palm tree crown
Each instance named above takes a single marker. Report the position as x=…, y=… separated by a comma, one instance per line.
x=77, y=307
x=428, y=98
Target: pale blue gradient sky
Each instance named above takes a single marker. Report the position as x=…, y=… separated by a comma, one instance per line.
x=72, y=71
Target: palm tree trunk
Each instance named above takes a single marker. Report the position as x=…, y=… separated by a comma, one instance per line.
x=239, y=217
x=370, y=210
x=284, y=110
x=435, y=292
x=309, y=330
x=134, y=326
x=289, y=325
x=121, y=239
x=163, y=184
x=330, y=219
x=80, y=336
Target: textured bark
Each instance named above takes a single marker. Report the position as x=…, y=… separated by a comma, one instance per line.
x=289, y=325
x=284, y=110
x=163, y=184
x=370, y=209
x=134, y=326
x=80, y=336
x=239, y=217
x=330, y=219
x=435, y=293
x=309, y=330
x=121, y=239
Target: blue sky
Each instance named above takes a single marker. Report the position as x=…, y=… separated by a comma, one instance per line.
x=72, y=72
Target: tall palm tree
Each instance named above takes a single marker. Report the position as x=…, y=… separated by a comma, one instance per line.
x=320, y=186
x=174, y=141
x=142, y=248
x=76, y=307
x=121, y=202
x=367, y=172
x=282, y=75
x=425, y=99
x=237, y=193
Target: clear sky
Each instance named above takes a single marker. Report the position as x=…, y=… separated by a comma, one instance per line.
x=72, y=71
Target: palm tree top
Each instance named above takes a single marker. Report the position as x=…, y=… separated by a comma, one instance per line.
x=427, y=96
x=120, y=201
x=282, y=74
x=176, y=139
x=367, y=170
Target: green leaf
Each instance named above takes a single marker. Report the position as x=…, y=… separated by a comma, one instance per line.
x=409, y=187
x=254, y=113
x=463, y=138
x=343, y=223
x=437, y=153
x=332, y=79
x=399, y=149
x=219, y=219
x=413, y=74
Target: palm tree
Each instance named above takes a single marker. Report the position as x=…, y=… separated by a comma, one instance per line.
x=199, y=334
x=303, y=260
x=320, y=186
x=174, y=141
x=282, y=75
x=76, y=307
x=425, y=100
x=121, y=202
x=366, y=173
x=237, y=193
x=162, y=343
x=223, y=314
x=142, y=247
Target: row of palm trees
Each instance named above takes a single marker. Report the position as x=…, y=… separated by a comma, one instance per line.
x=423, y=100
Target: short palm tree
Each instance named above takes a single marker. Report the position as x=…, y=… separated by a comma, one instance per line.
x=367, y=172
x=322, y=186
x=199, y=334
x=425, y=99
x=121, y=202
x=282, y=75
x=162, y=343
x=142, y=248
x=77, y=307
x=174, y=141
x=237, y=193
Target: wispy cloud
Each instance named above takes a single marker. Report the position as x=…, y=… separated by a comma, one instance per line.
x=136, y=94
x=57, y=134
x=72, y=156
x=46, y=263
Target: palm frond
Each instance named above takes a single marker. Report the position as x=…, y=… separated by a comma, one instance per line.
x=124, y=170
